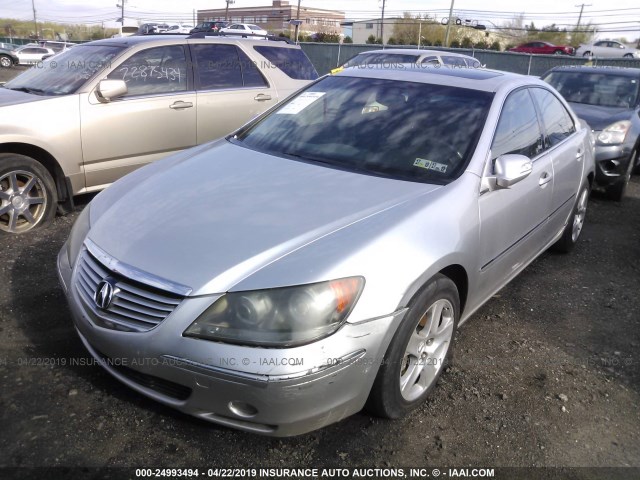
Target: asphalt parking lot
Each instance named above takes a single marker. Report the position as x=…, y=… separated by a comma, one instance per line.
x=547, y=374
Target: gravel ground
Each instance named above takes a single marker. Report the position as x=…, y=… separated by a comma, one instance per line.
x=546, y=374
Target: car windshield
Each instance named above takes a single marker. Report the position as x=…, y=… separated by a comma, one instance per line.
x=390, y=59
x=596, y=88
x=403, y=130
x=66, y=72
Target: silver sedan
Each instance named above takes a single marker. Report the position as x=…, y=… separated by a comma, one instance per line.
x=320, y=259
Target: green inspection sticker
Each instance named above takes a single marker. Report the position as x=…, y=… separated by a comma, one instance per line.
x=429, y=165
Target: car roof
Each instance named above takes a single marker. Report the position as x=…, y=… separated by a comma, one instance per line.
x=472, y=78
x=607, y=70
x=415, y=51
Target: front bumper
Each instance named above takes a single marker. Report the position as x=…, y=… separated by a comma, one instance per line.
x=612, y=162
x=277, y=392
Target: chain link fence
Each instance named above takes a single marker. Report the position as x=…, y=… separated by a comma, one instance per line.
x=326, y=56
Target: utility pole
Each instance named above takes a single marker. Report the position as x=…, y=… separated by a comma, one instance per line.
x=382, y=23
x=446, y=35
x=226, y=11
x=580, y=16
x=295, y=33
x=35, y=20
x=121, y=6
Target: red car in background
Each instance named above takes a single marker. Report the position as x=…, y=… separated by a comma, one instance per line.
x=544, y=48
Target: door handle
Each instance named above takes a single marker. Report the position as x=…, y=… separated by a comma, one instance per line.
x=261, y=97
x=579, y=155
x=179, y=105
x=544, y=179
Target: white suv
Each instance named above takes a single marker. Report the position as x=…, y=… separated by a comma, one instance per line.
x=94, y=113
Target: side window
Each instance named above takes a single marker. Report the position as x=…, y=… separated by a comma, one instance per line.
x=218, y=67
x=292, y=61
x=225, y=66
x=251, y=75
x=557, y=121
x=153, y=71
x=518, y=129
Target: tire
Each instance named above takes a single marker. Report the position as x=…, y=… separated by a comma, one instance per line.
x=617, y=190
x=628, y=55
x=403, y=382
x=28, y=197
x=6, y=61
x=586, y=54
x=574, y=226
x=558, y=52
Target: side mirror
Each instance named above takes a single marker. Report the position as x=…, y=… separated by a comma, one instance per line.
x=510, y=169
x=107, y=90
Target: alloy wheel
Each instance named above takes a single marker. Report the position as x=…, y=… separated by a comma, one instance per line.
x=23, y=201
x=426, y=350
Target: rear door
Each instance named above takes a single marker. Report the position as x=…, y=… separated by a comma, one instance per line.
x=230, y=89
x=566, y=149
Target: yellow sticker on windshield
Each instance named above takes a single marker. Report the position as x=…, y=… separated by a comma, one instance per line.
x=429, y=165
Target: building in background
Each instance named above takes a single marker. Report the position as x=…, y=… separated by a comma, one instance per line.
x=275, y=18
x=361, y=30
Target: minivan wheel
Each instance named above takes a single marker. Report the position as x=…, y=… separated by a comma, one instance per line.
x=419, y=351
x=5, y=61
x=574, y=226
x=27, y=194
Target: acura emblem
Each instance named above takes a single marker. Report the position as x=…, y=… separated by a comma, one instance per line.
x=104, y=294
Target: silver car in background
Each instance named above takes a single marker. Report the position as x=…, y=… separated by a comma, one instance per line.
x=320, y=259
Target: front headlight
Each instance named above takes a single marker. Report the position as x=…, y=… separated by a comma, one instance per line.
x=614, y=133
x=78, y=234
x=279, y=317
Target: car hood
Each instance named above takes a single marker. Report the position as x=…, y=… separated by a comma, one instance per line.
x=13, y=97
x=212, y=220
x=599, y=117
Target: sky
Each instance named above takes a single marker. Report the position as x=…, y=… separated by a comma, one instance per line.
x=623, y=20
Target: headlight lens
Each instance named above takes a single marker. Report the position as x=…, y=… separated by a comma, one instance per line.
x=78, y=234
x=282, y=317
x=614, y=133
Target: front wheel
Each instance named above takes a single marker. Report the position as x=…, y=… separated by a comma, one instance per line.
x=5, y=61
x=574, y=226
x=586, y=54
x=558, y=52
x=628, y=55
x=419, y=351
x=28, y=196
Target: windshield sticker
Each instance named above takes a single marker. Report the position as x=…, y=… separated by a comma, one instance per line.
x=300, y=103
x=429, y=165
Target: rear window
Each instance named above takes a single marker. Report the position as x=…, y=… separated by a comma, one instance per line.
x=292, y=61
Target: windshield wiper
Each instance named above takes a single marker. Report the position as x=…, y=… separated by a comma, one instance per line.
x=35, y=91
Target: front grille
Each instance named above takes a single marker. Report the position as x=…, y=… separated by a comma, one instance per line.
x=157, y=384
x=135, y=307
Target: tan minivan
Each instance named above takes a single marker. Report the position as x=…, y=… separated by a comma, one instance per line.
x=84, y=118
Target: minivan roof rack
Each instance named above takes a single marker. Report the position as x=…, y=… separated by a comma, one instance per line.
x=242, y=35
